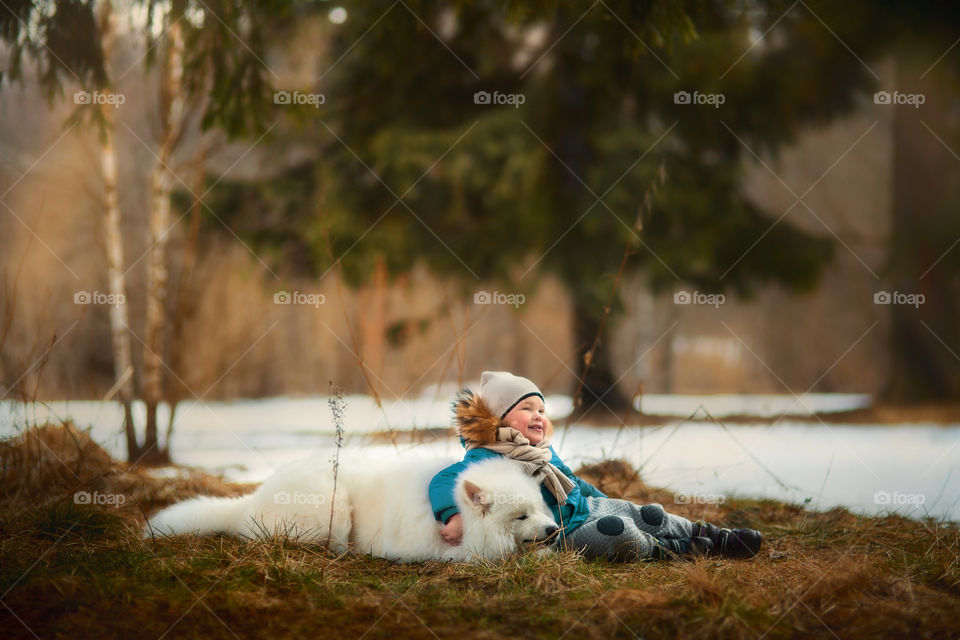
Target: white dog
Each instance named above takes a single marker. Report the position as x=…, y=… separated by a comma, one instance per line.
x=381, y=509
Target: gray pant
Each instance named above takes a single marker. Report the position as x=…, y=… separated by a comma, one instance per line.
x=623, y=531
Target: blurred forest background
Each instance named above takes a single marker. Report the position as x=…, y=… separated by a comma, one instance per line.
x=382, y=166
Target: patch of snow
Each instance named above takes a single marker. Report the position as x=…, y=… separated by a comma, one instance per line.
x=867, y=468
x=765, y=406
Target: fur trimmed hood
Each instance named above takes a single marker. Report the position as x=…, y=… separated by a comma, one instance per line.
x=476, y=423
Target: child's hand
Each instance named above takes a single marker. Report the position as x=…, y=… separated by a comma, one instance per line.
x=452, y=532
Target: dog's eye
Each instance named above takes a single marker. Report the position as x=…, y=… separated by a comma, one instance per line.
x=523, y=517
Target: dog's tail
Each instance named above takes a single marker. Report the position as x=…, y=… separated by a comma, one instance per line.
x=201, y=516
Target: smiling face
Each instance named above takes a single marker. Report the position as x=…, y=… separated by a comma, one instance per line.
x=529, y=418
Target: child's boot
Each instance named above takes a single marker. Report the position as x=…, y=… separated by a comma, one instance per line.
x=673, y=548
x=731, y=543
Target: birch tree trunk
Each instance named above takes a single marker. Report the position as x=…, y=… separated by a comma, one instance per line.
x=161, y=184
x=119, y=318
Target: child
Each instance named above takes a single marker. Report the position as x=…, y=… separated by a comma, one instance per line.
x=508, y=419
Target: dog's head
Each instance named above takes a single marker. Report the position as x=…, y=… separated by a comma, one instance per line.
x=500, y=501
x=527, y=521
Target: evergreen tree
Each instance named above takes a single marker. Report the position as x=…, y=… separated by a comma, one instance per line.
x=559, y=178
x=554, y=185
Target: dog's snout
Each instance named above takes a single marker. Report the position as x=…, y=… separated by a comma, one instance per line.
x=550, y=531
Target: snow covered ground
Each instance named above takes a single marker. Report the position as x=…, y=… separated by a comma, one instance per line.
x=723, y=405
x=870, y=469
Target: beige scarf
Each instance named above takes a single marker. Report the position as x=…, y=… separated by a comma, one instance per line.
x=534, y=458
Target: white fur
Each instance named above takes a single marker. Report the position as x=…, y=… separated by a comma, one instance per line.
x=380, y=508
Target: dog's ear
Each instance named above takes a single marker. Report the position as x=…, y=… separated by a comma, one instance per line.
x=478, y=498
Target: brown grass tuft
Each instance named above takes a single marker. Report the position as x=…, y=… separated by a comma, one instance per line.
x=49, y=459
x=51, y=463
x=704, y=585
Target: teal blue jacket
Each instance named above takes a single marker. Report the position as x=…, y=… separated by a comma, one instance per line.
x=568, y=517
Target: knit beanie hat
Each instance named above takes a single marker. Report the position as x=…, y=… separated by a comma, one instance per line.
x=502, y=391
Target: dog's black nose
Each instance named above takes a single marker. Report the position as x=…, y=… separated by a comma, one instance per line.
x=550, y=531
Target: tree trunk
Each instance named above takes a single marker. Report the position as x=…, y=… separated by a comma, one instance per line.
x=667, y=359
x=161, y=184
x=373, y=323
x=599, y=394
x=113, y=239
x=922, y=366
x=119, y=317
x=185, y=301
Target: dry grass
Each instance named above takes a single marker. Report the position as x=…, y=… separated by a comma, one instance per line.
x=48, y=464
x=79, y=570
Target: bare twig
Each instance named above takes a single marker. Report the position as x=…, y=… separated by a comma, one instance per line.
x=353, y=339
x=458, y=348
x=626, y=414
x=336, y=407
x=646, y=206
